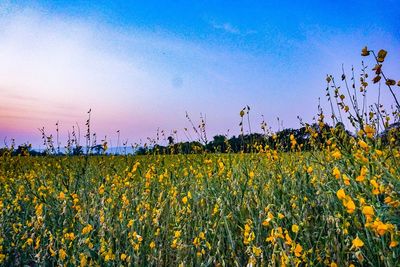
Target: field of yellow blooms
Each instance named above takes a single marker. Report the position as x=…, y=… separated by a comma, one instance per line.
x=335, y=206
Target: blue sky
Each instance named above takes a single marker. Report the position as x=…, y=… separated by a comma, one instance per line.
x=141, y=64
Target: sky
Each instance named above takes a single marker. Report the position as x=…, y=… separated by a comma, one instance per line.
x=141, y=65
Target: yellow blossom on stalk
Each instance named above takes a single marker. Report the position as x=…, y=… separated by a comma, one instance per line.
x=177, y=234
x=270, y=216
x=216, y=209
x=362, y=144
x=382, y=228
x=368, y=211
x=369, y=131
x=29, y=241
x=341, y=194
x=87, y=229
x=357, y=242
x=298, y=249
x=39, y=210
x=336, y=172
x=256, y=251
x=295, y=228
x=174, y=243
x=379, y=227
x=152, y=245
x=288, y=239
x=346, y=179
x=83, y=260
x=336, y=154
x=61, y=196
x=196, y=241
x=365, y=52
x=248, y=235
x=251, y=174
x=52, y=252
x=37, y=243
x=309, y=170
x=184, y=200
x=101, y=189
x=62, y=254
x=376, y=186
x=202, y=235
x=349, y=204
x=123, y=257
x=393, y=244
x=362, y=175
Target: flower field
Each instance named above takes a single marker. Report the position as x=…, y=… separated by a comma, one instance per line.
x=317, y=208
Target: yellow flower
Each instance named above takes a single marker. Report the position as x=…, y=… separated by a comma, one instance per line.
x=341, y=194
x=362, y=144
x=69, y=236
x=336, y=173
x=360, y=178
x=184, y=200
x=202, y=235
x=152, y=245
x=37, y=243
x=393, y=244
x=336, y=154
x=61, y=196
x=83, y=259
x=62, y=254
x=52, y=252
x=298, y=249
x=295, y=228
x=123, y=256
x=357, y=242
x=368, y=211
x=251, y=174
x=256, y=251
x=369, y=131
x=177, y=234
x=288, y=239
x=101, y=189
x=381, y=55
x=87, y=229
x=346, y=179
x=364, y=52
x=382, y=228
x=350, y=206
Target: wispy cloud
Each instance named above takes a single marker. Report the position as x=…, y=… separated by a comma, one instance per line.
x=227, y=27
